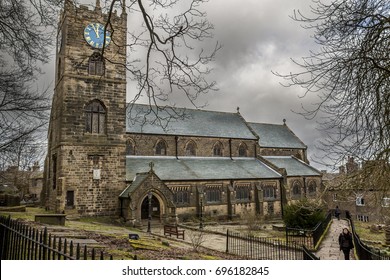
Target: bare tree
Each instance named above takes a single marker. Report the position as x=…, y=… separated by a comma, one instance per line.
x=25, y=41
x=23, y=153
x=350, y=73
x=164, y=56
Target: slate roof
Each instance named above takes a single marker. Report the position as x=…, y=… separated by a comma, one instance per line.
x=199, y=168
x=196, y=123
x=137, y=181
x=276, y=136
x=293, y=166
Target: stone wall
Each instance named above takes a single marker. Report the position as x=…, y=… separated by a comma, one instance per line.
x=145, y=145
x=89, y=167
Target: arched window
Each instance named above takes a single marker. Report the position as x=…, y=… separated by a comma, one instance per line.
x=217, y=149
x=242, y=150
x=96, y=64
x=191, y=149
x=130, y=148
x=312, y=188
x=161, y=148
x=296, y=189
x=95, y=117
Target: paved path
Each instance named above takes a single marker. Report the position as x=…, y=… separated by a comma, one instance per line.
x=329, y=248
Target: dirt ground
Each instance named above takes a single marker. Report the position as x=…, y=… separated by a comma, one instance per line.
x=112, y=237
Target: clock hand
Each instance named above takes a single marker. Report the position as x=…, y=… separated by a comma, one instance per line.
x=96, y=29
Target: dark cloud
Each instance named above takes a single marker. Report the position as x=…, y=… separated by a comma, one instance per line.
x=258, y=36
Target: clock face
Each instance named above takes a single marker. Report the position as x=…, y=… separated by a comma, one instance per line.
x=94, y=35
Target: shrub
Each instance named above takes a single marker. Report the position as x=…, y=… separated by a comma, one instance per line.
x=303, y=214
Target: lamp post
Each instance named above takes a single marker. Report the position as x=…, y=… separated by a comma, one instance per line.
x=201, y=211
x=149, y=211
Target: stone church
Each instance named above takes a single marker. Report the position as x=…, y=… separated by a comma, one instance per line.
x=107, y=157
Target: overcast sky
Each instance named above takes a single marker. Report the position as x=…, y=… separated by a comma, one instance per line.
x=258, y=37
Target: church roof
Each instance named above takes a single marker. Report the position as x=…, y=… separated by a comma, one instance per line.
x=195, y=123
x=293, y=166
x=199, y=168
x=276, y=136
x=137, y=181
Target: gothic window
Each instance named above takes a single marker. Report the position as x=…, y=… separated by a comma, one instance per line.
x=96, y=64
x=296, y=189
x=54, y=173
x=243, y=193
x=213, y=194
x=191, y=149
x=130, y=148
x=182, y=197
x=242, y=150
x=217, y=149
x=161, y=148
x=312, y=188
x=95, y=117
x=269, y=192
x=59, y=69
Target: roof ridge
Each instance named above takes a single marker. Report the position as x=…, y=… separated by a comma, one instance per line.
x=249, y=127
x=190, y=109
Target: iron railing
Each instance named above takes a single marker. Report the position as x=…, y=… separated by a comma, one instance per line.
x=23, y=242
x=363, y=251
x=260, y=248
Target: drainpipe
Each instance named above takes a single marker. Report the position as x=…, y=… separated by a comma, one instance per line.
x=255, y=150
x=230, y=148
x=176, y=142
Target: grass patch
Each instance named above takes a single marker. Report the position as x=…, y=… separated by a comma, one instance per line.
x=147, y=244
x=364, y=232
x=29, y=215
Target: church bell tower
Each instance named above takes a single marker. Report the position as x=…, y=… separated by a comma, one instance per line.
x=85, y=163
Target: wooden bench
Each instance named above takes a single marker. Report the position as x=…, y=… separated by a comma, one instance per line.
x=170, y=229
x=52, y=219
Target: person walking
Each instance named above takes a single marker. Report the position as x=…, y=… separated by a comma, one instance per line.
x=337, y=212
x=346, y=243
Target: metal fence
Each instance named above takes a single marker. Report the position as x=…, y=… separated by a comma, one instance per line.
x=22, y=242
x=363, y=251
x=308, y=237
x=260, y=248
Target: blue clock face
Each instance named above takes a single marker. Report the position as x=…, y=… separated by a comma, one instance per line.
x=94, y=35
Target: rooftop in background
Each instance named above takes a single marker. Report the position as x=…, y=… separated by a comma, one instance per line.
x=293, y=166
x=199, y=168
x=195, y=123
x=276, y=136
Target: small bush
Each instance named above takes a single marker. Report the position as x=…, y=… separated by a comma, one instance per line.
x=303, y=214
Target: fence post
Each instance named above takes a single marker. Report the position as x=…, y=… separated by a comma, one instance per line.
x=286, y=235
x=45, y=244
x=227, y=241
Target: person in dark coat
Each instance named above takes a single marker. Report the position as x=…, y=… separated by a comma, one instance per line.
x=337, y=213
x=345, y=242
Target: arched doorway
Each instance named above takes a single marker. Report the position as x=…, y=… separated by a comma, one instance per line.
x=155, y=208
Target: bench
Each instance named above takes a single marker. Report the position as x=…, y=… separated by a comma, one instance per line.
x=170, y=229
x=51, y=219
